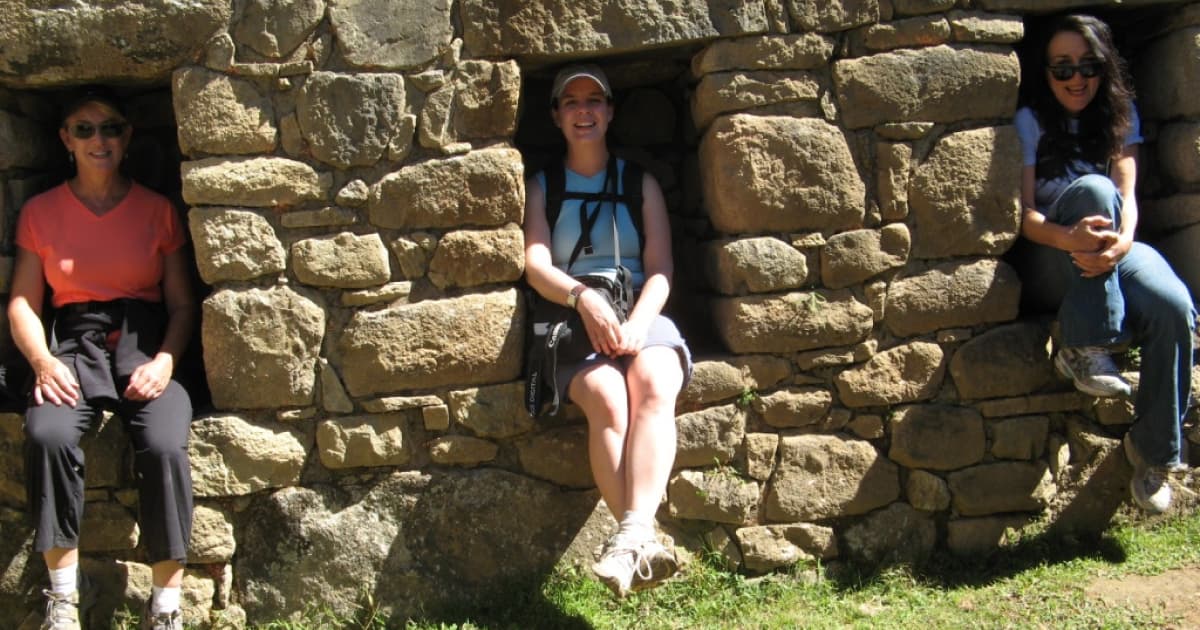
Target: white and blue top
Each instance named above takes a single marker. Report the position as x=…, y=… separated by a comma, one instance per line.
x=565, y=233
x=1046, y=191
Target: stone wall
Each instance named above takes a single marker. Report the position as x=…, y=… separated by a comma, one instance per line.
x=842, y=178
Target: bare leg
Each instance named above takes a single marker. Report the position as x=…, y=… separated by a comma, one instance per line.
x=600, y=392
x=167, y=573
x=654, y=378
x=60, y=558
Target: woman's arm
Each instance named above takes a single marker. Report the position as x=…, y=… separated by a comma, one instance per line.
x=603, y=328
x=150, y=379
x=1089, y=234
x=657, y=266
x=1124, y=177
x=54, y=381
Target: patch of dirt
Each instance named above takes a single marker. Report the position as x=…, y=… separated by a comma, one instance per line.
x=1172, y=593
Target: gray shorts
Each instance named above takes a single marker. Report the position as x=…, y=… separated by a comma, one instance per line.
x=663, y=332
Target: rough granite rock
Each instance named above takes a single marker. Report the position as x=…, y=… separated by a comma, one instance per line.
x=826, y=476
x=390, y=34
x=937, y=437
x=222, y=114
x=231, y=456
x=233, y=245
x=902, y=374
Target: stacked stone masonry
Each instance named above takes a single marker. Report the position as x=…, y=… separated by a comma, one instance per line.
x=842, y=191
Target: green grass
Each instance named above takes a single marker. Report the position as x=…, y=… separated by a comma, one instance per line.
x=1034, y=582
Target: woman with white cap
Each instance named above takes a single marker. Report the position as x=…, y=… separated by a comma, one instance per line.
x=627, y=386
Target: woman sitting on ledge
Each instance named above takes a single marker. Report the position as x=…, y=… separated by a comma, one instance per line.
x=628, y=385
x=1079, y=139
x=112, y=253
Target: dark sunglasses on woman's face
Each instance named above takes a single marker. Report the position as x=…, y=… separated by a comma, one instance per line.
x=1064, y=71
x=83, y=131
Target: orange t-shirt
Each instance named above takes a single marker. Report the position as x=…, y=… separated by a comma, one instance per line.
x=100, y=258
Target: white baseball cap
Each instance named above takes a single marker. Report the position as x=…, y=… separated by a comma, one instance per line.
x=570, y=73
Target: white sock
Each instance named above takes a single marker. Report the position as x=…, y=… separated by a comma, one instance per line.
x=164, y=599
x=638, y=525
x=64, y=581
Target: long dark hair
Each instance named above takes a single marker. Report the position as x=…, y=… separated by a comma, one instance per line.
x=1103, y=124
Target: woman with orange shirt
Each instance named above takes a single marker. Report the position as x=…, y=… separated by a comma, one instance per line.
x=112, y=254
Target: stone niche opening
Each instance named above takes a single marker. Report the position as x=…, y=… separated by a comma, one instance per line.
x=1157, y=44
x=653, y=126
x=153, y=160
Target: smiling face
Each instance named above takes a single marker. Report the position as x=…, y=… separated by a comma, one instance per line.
x=99, y=152
x=1070, y=48
x=583, y=112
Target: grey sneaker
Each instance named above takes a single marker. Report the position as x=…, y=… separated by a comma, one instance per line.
x=162, y=621
x=62, y=611
x=632, y=565
x=1092, y=370
x=1149, y=486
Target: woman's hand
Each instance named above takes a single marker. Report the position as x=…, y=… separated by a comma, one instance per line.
x=633, y=337
x=603, y=327
x=54, y=382
x=1090, y=234
x=150, y=379
x=1098, y=263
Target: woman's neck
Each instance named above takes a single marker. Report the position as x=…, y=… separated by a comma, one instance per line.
x=99, y=192
x=587, y=162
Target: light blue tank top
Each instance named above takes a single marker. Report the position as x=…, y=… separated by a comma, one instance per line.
x=565, y=233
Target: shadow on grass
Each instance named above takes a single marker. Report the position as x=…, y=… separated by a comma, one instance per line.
x=945, y=570
x=512, y=605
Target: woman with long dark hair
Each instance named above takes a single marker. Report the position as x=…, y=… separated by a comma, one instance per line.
x=1080, y=135
x=627, y=385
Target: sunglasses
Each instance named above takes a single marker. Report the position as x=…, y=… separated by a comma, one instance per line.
x=1064, y=71
x=83, y=130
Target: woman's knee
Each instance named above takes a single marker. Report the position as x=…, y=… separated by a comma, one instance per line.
x=600, y=392
x=51, y=429
x=1089, y=195
x=657, y=376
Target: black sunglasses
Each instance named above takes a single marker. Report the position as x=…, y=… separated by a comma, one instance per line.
x=83, y=130
x=1064, y=71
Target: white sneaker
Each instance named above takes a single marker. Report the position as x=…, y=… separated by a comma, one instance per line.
x=62, y=611
x=1092, y=370
x=631, y=565
x=1149, y=486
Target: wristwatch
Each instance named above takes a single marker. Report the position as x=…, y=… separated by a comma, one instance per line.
x=573, y=296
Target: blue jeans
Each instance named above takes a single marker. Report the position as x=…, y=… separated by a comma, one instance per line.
x=1142, y=301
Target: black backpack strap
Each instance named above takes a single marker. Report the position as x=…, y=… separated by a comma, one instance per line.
x=631, y=194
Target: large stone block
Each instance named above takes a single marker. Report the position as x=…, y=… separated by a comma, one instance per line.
x=937, y=437
x=212, y=538
x=779, y=174
x=1169, y=215
x=1009, y=360
x=906, y=33
x=980, y=536
x=478, y=101
x=559, y=456
x=927, y=491
x=495, y=411
x=461, y=450
x=344, y=261
x=852, y=257
x=897, y=534
x=986, y=28
x=350, y=119
x=835, y=15
x=715, y=496
x=709, y=436
x=804, y=51
x=791, y=322
x=231, y=456
x=1167, y=70
x=24, y=143
x=1180, y=250
x=494, y=28
x=828, y=476
x=391, y=34
x=274, y=28
x=377, y=440
x=964, y=197
x=949, y=295
x=902, y=374
x=724, y=92
x=937, y=84
x=1179, y=152
x=467, y=258
x=893, y=162
x=768, y=547
x=456, y=341
x=109, y=527
x=234, y=245
x=484, y=188
x=261, y=347
x=217, y=113
x=98, y=41
x=1020, y=438
x=256, y=182
x=723, y=378
x=1001, y=487
x=794, y=407
x=755, y=265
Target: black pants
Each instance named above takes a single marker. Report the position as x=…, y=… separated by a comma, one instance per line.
x=55, y=470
